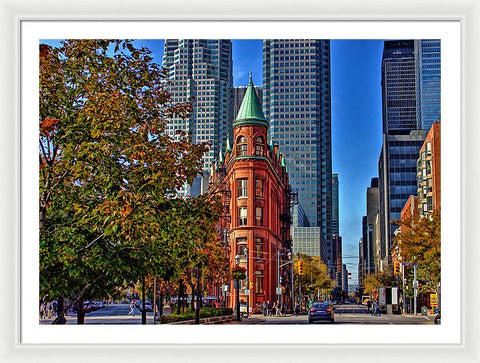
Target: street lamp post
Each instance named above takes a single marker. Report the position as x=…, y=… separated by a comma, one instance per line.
x=237, y=261
x=415, y=289
x=279, y=295
x=247, y=281
x=292, y=303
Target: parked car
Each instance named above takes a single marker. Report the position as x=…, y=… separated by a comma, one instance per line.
x=321, y=311
x=148, y=305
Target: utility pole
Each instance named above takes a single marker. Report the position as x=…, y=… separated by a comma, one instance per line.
x=154, y=299
x=403, y=287
x=248, y=283
x=415, y=289
x=279, y=296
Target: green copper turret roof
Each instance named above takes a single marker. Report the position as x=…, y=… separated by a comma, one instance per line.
x=250, y=112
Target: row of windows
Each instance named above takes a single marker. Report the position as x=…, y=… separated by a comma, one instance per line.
x=242, y=188
x=242, y=216
x=242, y=146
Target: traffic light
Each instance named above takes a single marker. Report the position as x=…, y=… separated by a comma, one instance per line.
x=300, y=267
x=396, y=268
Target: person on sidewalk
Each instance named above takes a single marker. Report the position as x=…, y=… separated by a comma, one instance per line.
x=376, y=309
x=132, y=309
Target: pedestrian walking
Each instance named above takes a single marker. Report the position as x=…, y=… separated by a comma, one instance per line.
x=43, y=311
x=264, y=308
x=279, y=309
x=132, y=309
x=369, y=304
x=297, y=309
x=269, y=308
x=376, y=309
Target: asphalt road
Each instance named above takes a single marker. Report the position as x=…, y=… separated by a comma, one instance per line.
x=111, y=314
x=344, y=314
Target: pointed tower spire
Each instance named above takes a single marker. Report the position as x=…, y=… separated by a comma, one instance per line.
x=250, y=112
x=271, y=145
x=220, y=156
x=228, y=147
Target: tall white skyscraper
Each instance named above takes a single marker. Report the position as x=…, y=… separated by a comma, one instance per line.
x=297, y=103
x=201, y=71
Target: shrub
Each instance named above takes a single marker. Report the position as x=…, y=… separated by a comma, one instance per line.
x=204, y=313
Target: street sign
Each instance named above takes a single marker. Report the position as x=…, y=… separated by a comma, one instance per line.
x=247, y=292
x=434, y=300
x=279, y=291
x=415, y=284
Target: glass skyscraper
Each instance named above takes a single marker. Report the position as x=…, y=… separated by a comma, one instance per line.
x=411, y=104
x=399, y=94
x=428, y=68
x=201, y=71
x=296, y=101
x=335, y=206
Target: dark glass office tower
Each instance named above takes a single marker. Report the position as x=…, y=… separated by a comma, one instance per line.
x=399, y=93
x=397, y=170
x=411, y=103
x=296, y=101
x=201, y=70
x=335, y=206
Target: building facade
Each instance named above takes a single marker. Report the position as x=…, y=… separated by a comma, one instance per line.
x=255, y=178
x=297, y=104
x=201, y=71
x=397, y=181
x=411, y=105
x=335, y=206
x=337, y=245
x=429, y=171
x=428, y=69
x=368, y=228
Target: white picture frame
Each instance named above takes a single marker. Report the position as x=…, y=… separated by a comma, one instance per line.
x=13, y=13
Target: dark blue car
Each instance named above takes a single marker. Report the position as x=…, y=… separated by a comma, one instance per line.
x=321, y=311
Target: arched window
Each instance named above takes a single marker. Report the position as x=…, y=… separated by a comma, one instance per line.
x=259, y=146
x=241, y=146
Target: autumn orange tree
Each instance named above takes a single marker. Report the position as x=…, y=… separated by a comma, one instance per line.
x=109, y=172
x=420, y=242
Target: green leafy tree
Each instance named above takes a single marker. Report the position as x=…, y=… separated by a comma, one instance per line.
x=315, y=278
x=371, y=285
x=420, y=242
x=108, y=170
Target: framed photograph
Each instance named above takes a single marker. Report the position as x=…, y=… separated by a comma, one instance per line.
x=27, y=24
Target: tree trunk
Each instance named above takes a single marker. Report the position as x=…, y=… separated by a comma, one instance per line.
x=180, y=296
x=192, y=302
x=60, y=319
x=144, y=312
x=80, y=312
x=160, y=305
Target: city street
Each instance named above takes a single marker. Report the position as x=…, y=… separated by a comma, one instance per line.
x=344, y=314
x=111, y=314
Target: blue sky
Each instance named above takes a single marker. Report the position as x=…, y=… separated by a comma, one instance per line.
x=356, y=121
